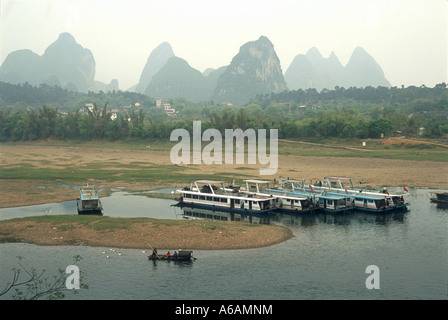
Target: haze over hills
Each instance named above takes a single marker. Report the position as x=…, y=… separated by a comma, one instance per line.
x=313, y=71
x=362, y=70
x=156, y=60
x=255, y=69
x=64, y=63
x=178, y=79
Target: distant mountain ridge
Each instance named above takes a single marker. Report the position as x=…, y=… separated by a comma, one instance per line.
x=255, y=69
x=64, y=63
x=313, y=71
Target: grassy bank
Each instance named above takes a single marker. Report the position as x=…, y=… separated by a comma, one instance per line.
x=114, y=169
x=102, y=231
x=394, y=148
x=398, y=149
x=48, y=171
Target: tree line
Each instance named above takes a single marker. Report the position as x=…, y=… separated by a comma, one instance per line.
x=97, y=123
x=345, y=113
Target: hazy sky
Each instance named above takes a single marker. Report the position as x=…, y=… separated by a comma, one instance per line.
x=408, y=38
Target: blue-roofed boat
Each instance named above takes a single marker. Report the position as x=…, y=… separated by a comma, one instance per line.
x=89, y=202
x=321, y=200
x=363, y=199
x=211, y=194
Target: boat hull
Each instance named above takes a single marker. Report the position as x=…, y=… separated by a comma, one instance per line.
x=221, y=208
x=93, y=207
x=98, y=212
x=292, y=210
x=181, y=256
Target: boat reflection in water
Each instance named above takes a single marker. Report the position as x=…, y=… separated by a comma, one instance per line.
x=191, y=212
x=291, y=219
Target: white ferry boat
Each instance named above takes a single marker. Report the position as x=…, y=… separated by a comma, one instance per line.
x=213, y=195
x=89, y=202
x=283, y=200
x=363, y=199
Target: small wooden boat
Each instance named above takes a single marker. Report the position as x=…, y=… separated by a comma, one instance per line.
x=177, y=256
x=440, y=197
x=89, y=202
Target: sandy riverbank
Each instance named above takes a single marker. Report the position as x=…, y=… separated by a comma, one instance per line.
x=198, y=234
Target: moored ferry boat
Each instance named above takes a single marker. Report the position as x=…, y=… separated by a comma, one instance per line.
x=212, y=194
x=89, y=202
x=363, y=199
x=283, y=200
x=322, y=201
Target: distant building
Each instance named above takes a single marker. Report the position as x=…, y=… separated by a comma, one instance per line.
x=166, y=106
x=89, y=106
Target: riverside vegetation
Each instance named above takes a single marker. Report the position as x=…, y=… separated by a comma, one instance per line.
x=30, y=113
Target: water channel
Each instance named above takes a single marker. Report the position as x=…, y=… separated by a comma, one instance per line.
x=326, y=259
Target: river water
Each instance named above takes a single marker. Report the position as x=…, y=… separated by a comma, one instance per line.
x=326, y=259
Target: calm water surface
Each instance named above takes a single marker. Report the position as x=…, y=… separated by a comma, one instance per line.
x=326, y=258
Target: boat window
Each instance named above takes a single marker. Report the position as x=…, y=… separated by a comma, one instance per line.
x=201, y=197
x=209, y=198
x=195, y=196
x=223, y=200
x=216, y=199
x=187, y=195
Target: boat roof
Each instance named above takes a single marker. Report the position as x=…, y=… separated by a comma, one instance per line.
x=88, y=194
x=208, y=181
x=360, y=195
x=257, y=181
x=292, y=180
x=319, y=195
x=235, y=196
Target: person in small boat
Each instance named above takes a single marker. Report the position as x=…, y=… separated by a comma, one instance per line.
x=175, y=254
x=154, y=252
x=168, y=254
